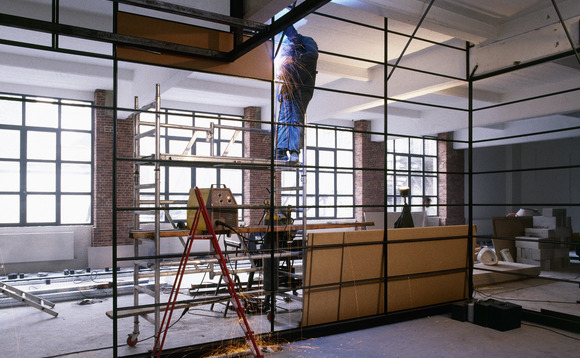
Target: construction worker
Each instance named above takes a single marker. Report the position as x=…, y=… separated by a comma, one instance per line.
x=297, y=72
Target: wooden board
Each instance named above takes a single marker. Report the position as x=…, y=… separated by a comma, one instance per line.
x=255, y=64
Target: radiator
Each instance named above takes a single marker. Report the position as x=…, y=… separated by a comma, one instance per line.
x=35, y=247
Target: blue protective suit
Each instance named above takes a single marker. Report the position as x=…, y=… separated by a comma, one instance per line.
x=298, y=75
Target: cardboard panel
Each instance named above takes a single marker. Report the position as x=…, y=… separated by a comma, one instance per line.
x=426, y=256
x=425, y=291
x=255, y=64
x=362, y=262
x=320, y=305
x=359, y=301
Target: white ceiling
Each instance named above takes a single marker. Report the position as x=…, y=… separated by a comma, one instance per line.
x=504, y=33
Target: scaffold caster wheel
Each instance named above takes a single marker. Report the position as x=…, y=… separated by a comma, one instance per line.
x=132, y=340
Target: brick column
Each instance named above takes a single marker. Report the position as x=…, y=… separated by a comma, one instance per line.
x=451, y=186
x=256, y=181
x=103, y=174
x=369, y=187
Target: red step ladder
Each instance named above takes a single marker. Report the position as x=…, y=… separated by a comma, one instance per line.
x=165, y=323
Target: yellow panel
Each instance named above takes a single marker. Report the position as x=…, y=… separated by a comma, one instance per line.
x=320, y=306
x=322, y=264
x=255, y=64
x=362, y=261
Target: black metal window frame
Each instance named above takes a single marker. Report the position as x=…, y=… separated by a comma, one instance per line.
x=315, y=168
x=394, y=200
x=24, y=161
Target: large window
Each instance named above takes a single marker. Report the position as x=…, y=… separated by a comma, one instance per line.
x=412, y=163
x=45, y=161
x=330, y=175
x=176, y=181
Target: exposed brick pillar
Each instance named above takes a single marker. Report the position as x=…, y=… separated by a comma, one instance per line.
x=103, y=175
x=256, y=181
x=369, y=187
x=451, y=186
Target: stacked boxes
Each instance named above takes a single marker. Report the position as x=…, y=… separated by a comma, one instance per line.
x=547, y=243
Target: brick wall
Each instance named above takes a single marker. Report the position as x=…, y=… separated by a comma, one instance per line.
x=369, y=188
x=451, y=186
x=103, y=175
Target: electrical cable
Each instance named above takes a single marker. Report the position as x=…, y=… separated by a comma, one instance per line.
x=523, y=299
x=551, y=330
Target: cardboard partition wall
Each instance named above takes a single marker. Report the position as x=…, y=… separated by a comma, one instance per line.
x=426, y=266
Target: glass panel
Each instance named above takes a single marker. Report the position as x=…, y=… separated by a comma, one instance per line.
x=76, y=117
x=345, y=212
x=9, y=144
x=146, y=176
x=75, y=209
x=402, y=162
x=40, y=208
x=311, y=157
x=430, y=147
x=146, y=145
x=181, y=118
x=202, y=148
x=179, y=180
x=402, y=145
x=390, y=161
x=345, y=158
x=9, y=209
x=311, y=183
x=344, y=184
x=326, y=212
x=76, y=146
x=177, y=147
x=42, y=114
x=390, y=146
x=75, y=178
x=417, y=163
x=41, y=177
x=9, y=176
x=11, y=111
x=179, y=214
x=326, y=138
x=344, y=140
x=430, y=185
x=401, y=182
x=416, y=146
x=417, y=205
x=391, y=185
x=205, y=120
x=430, y=164
x=311, y=137
x=289, y=200
x=232, y=178
x=288, y=179
x=417, y=185
x=326, y=183
x=236, y=149
x=41, y=145
x=205, y=177
x=326, y=158
x=310, y=202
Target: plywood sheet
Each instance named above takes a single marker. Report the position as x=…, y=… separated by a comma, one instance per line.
x=425, y=291
x=362, y=262
x=359, y=301
x=255, y=64
x=320, y=305
x=323, y=264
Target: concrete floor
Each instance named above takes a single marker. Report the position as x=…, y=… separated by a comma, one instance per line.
x=85, y=331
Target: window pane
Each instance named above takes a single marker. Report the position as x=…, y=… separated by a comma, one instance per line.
x=9, y=176
x=430, y=186
x=326, y=138
x=311, y=137
x=326, y=212
x=417, y=185
x=185, y=119
x=344, y=158
x=205, y=177
x=9, y=144
x=202, y=148
x=41, y=177
x=344, y=183
x=205, y=122
x=11, y=111
x=326, y=158
x=417, y=163
x=430, y=147
x=75, y=178
x=179, y=180
x=326, y=183
x=42, y=114
x=430, y=164
x=402, y=162
x=178, y=146
x=401, y=182
x=9, y=209
x=234, y=151
x=76, y=117
x=232, y=179
x=416, y=146
x=391, y=185
x=390, y=146
x=402, y=145
x=40, y=208
x=390, y=160
x=41, y=145
x=75, y=209
x=344, y=140
x=311, y=183
x=311, y=157
x=311, y=211
x=76, y=146
x=346, y=212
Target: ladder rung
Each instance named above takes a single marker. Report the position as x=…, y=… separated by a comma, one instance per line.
x=145, y=186
x=288, y=188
